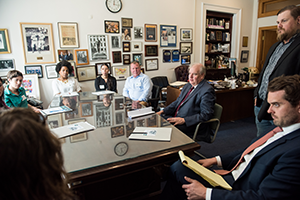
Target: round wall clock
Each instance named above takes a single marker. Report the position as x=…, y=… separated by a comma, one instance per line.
x=114, y=6
x=121, y=148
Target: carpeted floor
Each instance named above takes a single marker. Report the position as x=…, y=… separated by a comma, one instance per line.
x=231, y=136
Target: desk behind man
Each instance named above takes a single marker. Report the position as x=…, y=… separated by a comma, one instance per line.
x=193, y=105
x=137, y=87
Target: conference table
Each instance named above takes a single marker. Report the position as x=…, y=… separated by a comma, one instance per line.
x=104, y=163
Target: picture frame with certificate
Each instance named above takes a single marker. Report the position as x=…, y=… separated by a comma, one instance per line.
x=68, y=34
x=126, y=59
x=126, y=46
x=99, y=65
x=185, y=59
x=34, y=69
x=115, y=42
x=175, y=55
x=244, y=56
x=151, y=50
x=86, y=73
x=136, y=46
x=150, y=32
x=186, y=34
x=4, y=41
x=98, y=47
x=121, y=72
x=126, y=22
x=86, y=109
x=138, y=32
x=6, y=65
x=65, y=54
x=151, y=64
x=186, y=47
x=168, y=35
x=81, y=57
x=51, y=72
x=73, y=73
x=138, y=57
x=111, y=26
x=117, y=58
x=38, y=45
x=166, y=55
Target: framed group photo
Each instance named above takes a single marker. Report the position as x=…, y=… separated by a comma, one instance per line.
x=68, y=34
x=4, y=41
x=38, y=45
x=111, y=26
x=65, y=54
x=98, y=47
x=81, y=57
x=168, y=36
x=34, y=69
x=150, y=32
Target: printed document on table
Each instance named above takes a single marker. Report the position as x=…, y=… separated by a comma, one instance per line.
x=151, y=133
x=103, y=92
x=56, y=110
x=72, y=129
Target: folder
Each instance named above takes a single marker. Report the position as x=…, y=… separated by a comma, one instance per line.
x=211, y=177
x=150, y=133
x=56, y=110
x=72, y=129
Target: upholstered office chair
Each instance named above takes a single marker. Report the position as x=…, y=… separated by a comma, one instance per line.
x=162, y=82
x=182, y=73
x=153, y=101
x=214, y=124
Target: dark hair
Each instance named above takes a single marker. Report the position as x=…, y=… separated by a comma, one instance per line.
x=64, y=63
x=31, y=159
x=291, y=86
x=295, y=10
x=14, y=73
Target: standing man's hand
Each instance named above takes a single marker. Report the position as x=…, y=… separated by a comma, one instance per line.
x=194, y=190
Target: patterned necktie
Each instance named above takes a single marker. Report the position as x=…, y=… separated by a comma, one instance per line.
x=183, y=100
x=253, y=146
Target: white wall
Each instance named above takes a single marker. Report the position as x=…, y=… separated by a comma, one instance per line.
x=90, y=16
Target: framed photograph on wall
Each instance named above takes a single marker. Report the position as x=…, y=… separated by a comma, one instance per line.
x=136, y=46
x=111, y=26
x=151, y=50
x=166, y=55
x=98, y=47
x=175, y=55
x=51, y=72
x=31, y=85
x=68, y=34
x=34, y=69
x=67, y=54
x=168, y=36
x=126, y=46
x=150, y=32
x=137, y=57
x=138, y=32
x=4, y=41
x=73, y=73
x=86, y=73
x=244, y=56
x=99, y=65
x=121, y=72
x=115, y=42
x=186, y=59
x=86, y=109
x=186, y=34
x=117, y=58
x=126, y=34
x=6, y=65
x=126, y=22
x=126, y=59
x=38, y=45
x=81, y=57
x=151, y=64
x=186, y=47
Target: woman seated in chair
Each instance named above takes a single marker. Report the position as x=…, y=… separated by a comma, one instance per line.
x=65, y=84
x=105, y=81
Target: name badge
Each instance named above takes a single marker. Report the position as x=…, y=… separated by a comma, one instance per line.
x=102, y=87
x=138, y=84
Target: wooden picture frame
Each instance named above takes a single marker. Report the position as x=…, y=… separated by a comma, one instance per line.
x=126, y=59
x=34, y=69
x=111, y=26
x=99, y=65
x=151, y=64
x=126, y=22
x=4, y=41
x=126, y=46
x=117, y=58
x=35, y=52
x=151, y=50
x=186, y=34
x=186, y=48
x=86, y=73
x=138, y=57
x=81, y=57
x=150, y=32
x=86, y=109
x=6, y=65
x=68, y=34
x=51, y=72
x=168, y=35
x=121, y=72
x=98, y=47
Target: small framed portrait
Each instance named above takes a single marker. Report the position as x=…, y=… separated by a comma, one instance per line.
x=186, y=47
x=65, y=54
x=151, y=50
x=138, y=32
x=81, y=57
x=99, y=65
x=186, y=59
x=86, y=109
x=126, y=34
x=121, y=72
x=34, y=69
x=117, y=131
x=151, y=64
x=4, y=41
x=244, y=56
x=175, y=55
x=6, y=65
x=86, y=73
x=186, y=34
x=111, y=26
x=126, y=46
x=115, y=42
x=136, y=46
x=138, y=58
x=166, y=55
x=68, y=34
x=126, y=59
x=150, y=32
x=117, y=58
x=51, y=72
x=98, y=47
x=126, y=22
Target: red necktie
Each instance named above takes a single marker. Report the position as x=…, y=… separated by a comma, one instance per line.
x=183, y=100
x=253, y=146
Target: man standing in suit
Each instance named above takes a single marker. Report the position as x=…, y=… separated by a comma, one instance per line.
x=282, y=58
x=195, y=104
x=269, y=167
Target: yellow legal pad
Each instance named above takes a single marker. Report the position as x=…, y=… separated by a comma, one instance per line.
x=211, y=177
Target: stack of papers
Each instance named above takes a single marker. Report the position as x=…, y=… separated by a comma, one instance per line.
x=103, y=92
x=72, y=129
x=151, y=133
x=56, y=110
x=71, y=94
x=140, y=112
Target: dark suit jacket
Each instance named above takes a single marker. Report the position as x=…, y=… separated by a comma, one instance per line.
x=273, y=173
x=288, y=64
x=198, y=107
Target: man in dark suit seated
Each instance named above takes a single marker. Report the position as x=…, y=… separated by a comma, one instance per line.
x=195, y=104
x=268, y=169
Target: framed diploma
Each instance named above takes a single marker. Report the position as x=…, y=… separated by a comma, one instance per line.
x=151, y=64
